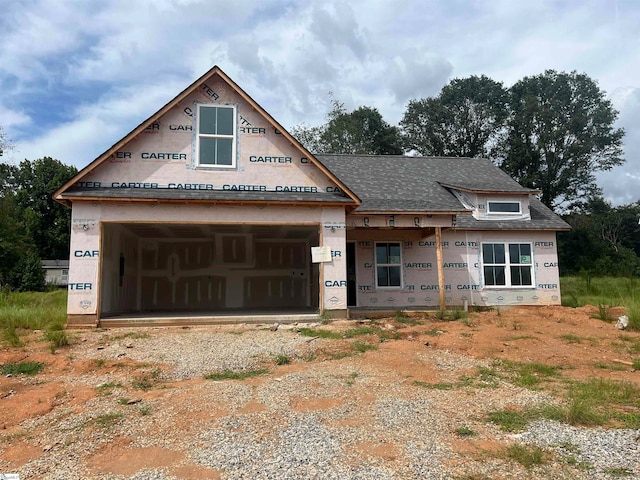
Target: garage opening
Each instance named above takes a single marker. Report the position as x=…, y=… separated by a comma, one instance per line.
x=208, y=269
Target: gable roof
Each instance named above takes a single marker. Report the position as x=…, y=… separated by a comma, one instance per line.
x=417, y=184
x=60, y=194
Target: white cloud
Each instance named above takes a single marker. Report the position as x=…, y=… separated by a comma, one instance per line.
x=117, y=61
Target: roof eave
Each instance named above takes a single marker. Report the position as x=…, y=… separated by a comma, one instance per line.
x=491, y=192
x=203, y=201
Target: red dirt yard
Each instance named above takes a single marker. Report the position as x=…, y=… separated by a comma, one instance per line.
x=55, y=413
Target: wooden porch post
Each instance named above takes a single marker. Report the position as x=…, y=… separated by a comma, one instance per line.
x=439, y=261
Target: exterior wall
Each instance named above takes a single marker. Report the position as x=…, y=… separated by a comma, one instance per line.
x=164, y=157
x=57, y=276
x=89, y=275
x=462, y=269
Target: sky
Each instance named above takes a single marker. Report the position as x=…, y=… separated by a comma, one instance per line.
x=76, y=76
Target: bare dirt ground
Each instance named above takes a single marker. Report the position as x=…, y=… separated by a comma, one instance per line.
x=98, y=415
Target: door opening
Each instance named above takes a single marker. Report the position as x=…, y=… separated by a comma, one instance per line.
x=352, y=288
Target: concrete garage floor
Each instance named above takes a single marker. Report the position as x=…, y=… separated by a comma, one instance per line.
x=161, y=319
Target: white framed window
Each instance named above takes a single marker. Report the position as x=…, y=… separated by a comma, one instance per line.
x=507, y=265
x=216, y=136
x=388, y=265
x=504, y=208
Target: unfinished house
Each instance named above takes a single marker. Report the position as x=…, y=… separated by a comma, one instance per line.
x=209, y=211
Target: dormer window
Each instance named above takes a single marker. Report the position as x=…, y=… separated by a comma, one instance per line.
x=216, y=143
x=504, y=208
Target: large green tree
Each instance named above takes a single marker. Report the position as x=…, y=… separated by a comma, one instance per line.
x=362, y=131
x=47, y=222
x=603, y=240
x=561, y=130
x=466, y=119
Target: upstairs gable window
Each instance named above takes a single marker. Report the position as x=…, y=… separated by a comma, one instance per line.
x=216, y=143
x=505, y=208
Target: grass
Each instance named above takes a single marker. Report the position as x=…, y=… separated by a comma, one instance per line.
x=56, y=336
x=236, y=375
x=434, y=332
x=610, y=366
x=32, y=310
x=570, y=338
x=147, y=380
x=362, y=347
x=528, y=374
x=604, y=292
x=22, y=368
x=435, y=386
x=282, y=359
x=464, y=432
x=525, y=455
x=595, y=402
x=349, y=333
x=618, y=472
x=401, y=317
x=145, y=410
x=453, y=314
x=135, y=335
x=108, y=420
x=106, y=389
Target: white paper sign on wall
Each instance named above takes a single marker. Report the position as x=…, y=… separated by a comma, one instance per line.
x=320, y=254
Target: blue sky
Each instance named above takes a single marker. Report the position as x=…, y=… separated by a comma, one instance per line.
x=76, y=75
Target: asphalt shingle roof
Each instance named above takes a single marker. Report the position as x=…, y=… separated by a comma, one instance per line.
x=400, y=183
x=393, y=183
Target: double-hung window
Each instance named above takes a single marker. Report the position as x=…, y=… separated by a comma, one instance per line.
x=216, y=143
x=507, y=264
x=388, y=264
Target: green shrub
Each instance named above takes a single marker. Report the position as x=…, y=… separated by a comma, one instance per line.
x=22, y=368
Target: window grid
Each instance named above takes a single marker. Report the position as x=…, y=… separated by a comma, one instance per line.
x=216, y=144
x=388, y=265
x=507, y=265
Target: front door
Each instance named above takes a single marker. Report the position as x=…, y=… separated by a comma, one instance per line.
x=351, y=275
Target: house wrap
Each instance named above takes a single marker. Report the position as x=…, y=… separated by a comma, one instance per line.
x=210, y=207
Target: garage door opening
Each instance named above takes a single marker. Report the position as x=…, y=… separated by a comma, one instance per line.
x=207, y=269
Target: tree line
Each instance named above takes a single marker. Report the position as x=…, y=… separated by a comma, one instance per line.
x=33, y=227
x=550, y=132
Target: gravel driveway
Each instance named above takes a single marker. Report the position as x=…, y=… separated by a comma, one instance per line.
x=363, y=416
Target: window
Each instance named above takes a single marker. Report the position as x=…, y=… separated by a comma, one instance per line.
x=507, y=265
x=216, y=146
x=388, y=265
x=503, y=208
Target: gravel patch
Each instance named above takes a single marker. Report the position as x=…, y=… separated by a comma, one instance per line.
x=604, y=451
x=195, y=353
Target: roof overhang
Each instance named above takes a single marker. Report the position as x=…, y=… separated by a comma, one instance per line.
x=523, y=191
